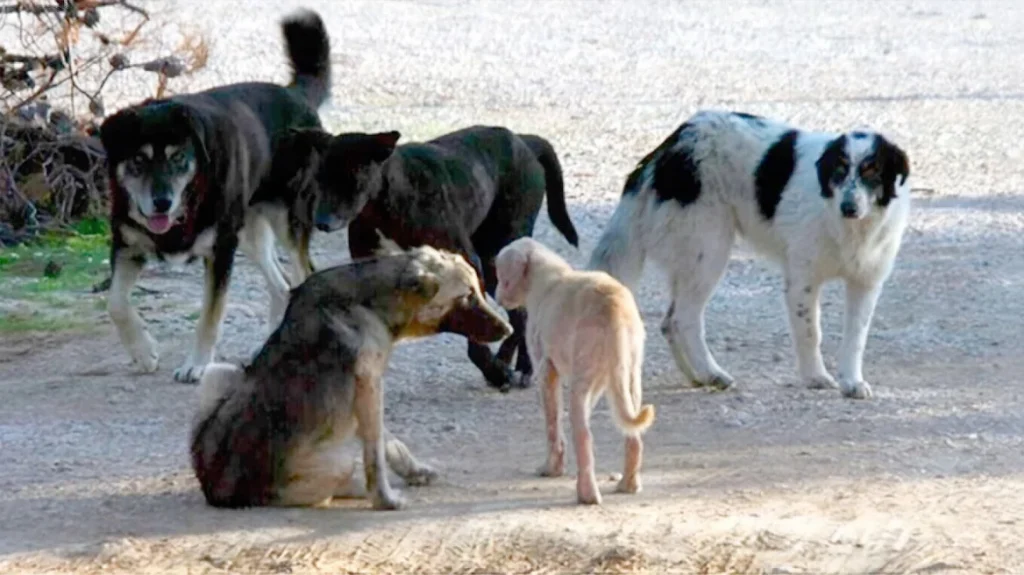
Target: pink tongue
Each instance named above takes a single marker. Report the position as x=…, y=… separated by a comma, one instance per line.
x=159, y=223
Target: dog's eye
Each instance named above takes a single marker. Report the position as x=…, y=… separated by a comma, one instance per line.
x=840, y=172
x=869, y=172
x=178, y=160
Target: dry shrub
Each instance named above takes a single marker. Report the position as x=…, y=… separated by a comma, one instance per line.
x=56, y=58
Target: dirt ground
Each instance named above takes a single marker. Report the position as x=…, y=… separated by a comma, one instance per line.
x=770, y=477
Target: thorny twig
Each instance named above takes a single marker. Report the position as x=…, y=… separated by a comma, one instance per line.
x=63, y=51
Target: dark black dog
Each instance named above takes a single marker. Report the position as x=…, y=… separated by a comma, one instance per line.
x=183, y=171
x=472, y=191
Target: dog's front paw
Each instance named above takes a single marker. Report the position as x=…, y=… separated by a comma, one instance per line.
x=823, y=381
x=190, y=372
x=856, y=389
x=587, y=493
x=629, y=485
x=720, y=382
x=422, y=475
x=522, y=380
x=388, y=501
x=551, y=469
x=143, y=353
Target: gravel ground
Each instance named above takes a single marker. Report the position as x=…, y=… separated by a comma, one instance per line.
x=770, y=477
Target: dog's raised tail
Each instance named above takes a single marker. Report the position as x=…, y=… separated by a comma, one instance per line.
x=555, y=185
x=309, y=50
x=620, y=251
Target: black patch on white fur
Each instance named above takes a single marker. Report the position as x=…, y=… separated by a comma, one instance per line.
x=774, y=172
x=633, y=181
x=893, y=163
x=831, y=157
x=676, y=177
x=752, y=118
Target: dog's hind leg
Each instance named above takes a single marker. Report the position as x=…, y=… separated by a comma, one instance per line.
x=316, y=473
x=130, y=328
x=404, y=463
x=369, y=411
x=217, y=278
x=580, y=403
x=630, y=482
x=692, y=287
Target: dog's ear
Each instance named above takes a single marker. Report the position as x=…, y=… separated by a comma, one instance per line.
x=117, y=129
x=196, y=127
x=383, y=145
x=386, y=246
x=517, y=264
x=418, y=280
x=831, y=156
x=895, y=164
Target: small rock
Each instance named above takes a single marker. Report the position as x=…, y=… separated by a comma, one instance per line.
x=615, y=477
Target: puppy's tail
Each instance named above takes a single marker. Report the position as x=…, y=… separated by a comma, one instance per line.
x=626, y=394
x=632, y=419
x=309, y=50
x=554, y=184
x=620, y=251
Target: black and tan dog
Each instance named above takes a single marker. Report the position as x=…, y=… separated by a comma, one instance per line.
x=273, y=433
x=472, y=191
x=189, y=178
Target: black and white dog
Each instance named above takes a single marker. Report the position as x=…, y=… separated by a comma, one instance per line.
x=822, y=206
x=185, y=172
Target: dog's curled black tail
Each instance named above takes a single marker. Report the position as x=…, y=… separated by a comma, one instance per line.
x=309, y=50
x=557, y=211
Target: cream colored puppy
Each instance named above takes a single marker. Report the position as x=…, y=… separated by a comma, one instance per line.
x=583, y=327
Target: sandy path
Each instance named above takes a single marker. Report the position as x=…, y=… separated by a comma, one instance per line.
x=924, y=477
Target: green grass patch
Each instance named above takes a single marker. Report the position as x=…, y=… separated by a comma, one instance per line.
x=16, y=322
x=52, y=277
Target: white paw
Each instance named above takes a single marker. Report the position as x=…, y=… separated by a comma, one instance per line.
x=551, y=469
x=190, y=372
x=823, y=381
x=856, y=389
x=422, y=475
x=629, y=485
x=720, y=381
x=143, y=352
x=389, y=501
x=587, y=493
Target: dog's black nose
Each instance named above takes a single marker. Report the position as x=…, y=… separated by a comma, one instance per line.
x=849, y=210
x=161, y=205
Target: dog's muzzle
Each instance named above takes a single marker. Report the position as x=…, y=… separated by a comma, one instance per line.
x=477, y=320
x=848, y=209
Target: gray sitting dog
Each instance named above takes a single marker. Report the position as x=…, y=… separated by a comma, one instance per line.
x=273, y=433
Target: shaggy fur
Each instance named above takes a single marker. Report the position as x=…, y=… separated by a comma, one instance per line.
x=183, y=172
x=273, y=432
x=822, y=206
x=584, y=328
x=471, y=191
